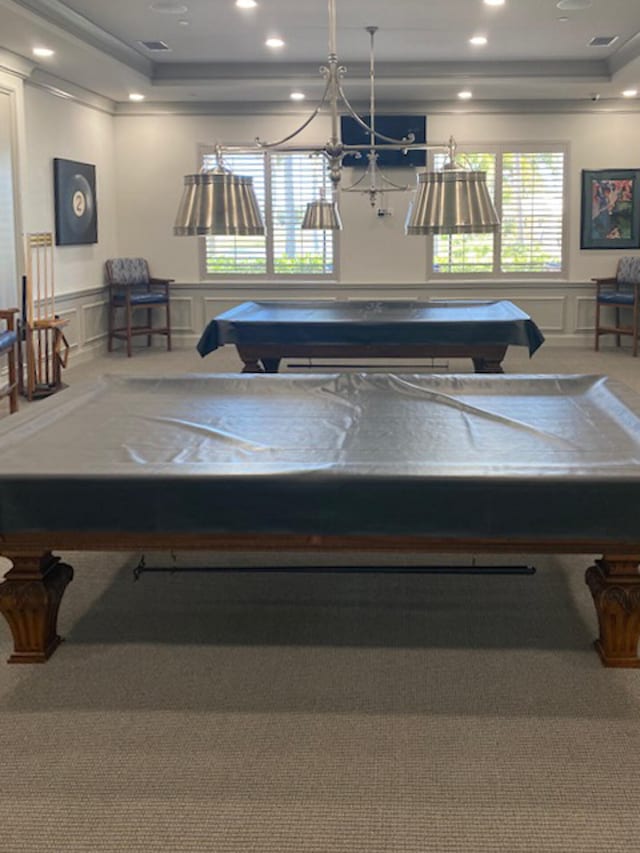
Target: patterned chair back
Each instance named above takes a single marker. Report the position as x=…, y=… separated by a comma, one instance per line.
x=127, y=271
x=628, y=270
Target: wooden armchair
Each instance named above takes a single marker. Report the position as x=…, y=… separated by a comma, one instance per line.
x=9, y=348
x=131, y=287
x=621, y=291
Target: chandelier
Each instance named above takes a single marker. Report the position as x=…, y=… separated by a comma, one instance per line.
x=454, y=200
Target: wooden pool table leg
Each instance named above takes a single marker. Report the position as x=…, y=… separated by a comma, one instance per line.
x=271, y=365
x=254, y=362
x=615, y=586
x=30, y=597
x=487, y=365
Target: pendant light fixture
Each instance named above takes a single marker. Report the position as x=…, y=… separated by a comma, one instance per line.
x=453, y=201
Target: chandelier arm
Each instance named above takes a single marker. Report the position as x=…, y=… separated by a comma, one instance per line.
x=392, y=185
x=267, y=145
x=354, y=186
x=409, y=139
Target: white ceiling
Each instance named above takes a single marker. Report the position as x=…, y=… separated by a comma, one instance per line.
x=421, y=48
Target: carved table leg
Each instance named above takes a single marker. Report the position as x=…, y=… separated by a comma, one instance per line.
x=250, y=359
x=487, y=365
x=30, y=599
x=615, y=586
x=271, y=365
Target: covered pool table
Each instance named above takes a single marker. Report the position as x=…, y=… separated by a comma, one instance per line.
x=465, y=463
x=265, y=332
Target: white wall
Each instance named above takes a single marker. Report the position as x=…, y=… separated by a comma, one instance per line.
x=155, y=152
x=8, y=265
x=56, y=127
x=12, y=159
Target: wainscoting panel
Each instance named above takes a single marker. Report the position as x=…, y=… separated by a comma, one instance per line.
x=95, y=322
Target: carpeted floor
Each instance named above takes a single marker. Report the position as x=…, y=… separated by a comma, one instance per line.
x=319, y=712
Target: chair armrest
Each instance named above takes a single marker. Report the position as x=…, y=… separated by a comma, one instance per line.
x=161, y=280
x=611, y=280
x=8, y=314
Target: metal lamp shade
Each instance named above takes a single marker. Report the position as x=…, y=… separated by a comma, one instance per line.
x=453, y=201
x=321, y=215
x=218, y=202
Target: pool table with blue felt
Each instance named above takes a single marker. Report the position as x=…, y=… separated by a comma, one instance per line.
x=265, y=332
x=348, y=461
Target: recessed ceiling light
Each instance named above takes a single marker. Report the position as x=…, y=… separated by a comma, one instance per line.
x=465, y=95
x=630, y=93
x=562, y=19
x=274, y=42
x=494, y=2
x=136, y=96
x=184, y=22
x=168, y=8
x=478, y=40
x=297, y=96
x=44, y=52
x=246, y=4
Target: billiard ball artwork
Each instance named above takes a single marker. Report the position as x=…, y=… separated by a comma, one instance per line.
x=75, y=202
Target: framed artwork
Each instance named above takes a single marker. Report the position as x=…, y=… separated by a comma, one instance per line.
x=74, y=189
x=610, y=209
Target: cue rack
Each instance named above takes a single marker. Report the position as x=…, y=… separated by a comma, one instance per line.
x=46, y=348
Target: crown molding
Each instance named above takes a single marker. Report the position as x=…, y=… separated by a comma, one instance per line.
x=497, y=107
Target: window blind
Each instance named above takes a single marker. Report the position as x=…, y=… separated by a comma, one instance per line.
x=284, y=184
x=532, y=205
x=528, y=190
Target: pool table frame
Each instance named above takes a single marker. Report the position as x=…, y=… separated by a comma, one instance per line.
x=33, y=588
x=265, y=358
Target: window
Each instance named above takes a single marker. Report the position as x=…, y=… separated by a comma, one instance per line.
x=284, y=184
x=527, y=187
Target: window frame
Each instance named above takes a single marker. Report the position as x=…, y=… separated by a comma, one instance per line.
x=268, y=277
x=497, y=275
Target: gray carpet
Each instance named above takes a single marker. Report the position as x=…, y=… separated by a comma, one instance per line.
x=322, y=712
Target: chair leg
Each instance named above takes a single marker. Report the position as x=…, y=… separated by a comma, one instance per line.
x=111, y=326
x=149, y=318
x=597, y=340
x=636, y=313
x=128, y=329
x=13, y=382
x=617, y=326
x=168, y=327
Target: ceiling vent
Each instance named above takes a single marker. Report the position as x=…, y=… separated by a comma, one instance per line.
x=154, y=45
x=602, y=41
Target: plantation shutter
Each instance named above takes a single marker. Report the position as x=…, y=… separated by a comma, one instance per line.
x=532, y=206
x=243, y=255
x=296, y=179
x=467, y=253
x=528, y=191
x=284, y=184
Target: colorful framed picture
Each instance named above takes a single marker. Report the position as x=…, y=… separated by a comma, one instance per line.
x=610, y=209
x=74, y=186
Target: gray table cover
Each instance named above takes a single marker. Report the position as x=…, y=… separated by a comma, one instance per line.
x=326, y=322
x=467, y=455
